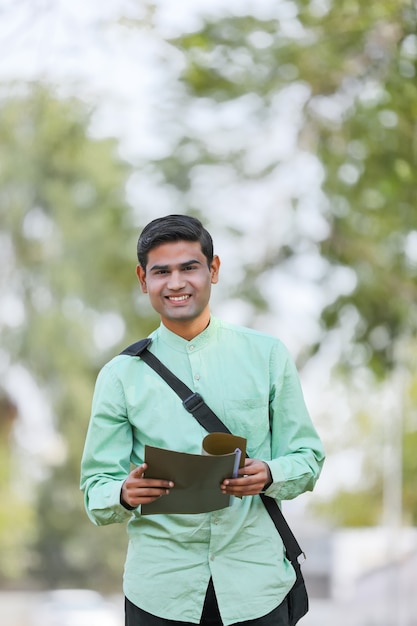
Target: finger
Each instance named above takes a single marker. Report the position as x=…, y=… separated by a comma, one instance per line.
x=139, y=471
x=154, y=483
x=249, y=470
x=241, y=488
x=149, y=492
x=245, y=479
x=142, y=496
x=255, y=467
x=249, y=490
x=247, y=485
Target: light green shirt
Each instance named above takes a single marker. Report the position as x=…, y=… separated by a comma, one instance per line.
x=249, y=380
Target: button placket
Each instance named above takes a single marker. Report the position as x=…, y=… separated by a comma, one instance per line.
x=194, y=362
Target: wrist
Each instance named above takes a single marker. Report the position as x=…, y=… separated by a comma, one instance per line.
x=269, y=477
x=124, y=503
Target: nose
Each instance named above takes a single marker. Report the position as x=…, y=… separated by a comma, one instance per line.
x=176, y=281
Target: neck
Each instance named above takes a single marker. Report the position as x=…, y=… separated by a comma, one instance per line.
x=188, y=329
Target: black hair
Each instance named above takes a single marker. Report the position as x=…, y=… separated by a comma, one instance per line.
x=173, y=228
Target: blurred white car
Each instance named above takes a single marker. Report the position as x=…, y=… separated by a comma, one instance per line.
x=75, y=607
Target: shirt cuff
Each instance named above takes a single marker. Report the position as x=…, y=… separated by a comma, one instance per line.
x=271, y=489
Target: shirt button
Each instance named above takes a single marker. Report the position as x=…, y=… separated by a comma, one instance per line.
x=216, y=520
x=191, y=347
x=197, y=376
x=212, y=557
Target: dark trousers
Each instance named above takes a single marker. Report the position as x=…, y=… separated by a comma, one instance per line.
x=134, y=616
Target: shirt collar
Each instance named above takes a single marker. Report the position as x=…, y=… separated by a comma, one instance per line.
x=179, y=343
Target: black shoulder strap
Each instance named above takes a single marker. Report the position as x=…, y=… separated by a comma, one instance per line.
x=191, y=401
x=195, y=405
x=136, y=349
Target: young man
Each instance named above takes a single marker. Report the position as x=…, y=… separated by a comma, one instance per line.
x=227, y=566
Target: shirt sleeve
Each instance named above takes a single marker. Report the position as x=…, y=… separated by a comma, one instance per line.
x=105, y=462
x=297, y=453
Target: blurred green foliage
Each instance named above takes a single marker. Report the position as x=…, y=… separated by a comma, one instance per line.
x=68, y=237
x=68, y=257
x=359, y=64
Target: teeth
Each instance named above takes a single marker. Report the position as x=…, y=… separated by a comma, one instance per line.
x=178, y=298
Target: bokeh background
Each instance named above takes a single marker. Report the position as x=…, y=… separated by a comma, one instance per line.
x=290, y=128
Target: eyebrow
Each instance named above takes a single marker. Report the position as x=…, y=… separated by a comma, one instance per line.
x=181, y=265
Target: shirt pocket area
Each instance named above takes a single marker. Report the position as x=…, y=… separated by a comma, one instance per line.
x=249, y=417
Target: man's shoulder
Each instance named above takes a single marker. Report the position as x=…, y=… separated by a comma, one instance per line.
x=133, y=349
x=123, y=359
x=245, y=333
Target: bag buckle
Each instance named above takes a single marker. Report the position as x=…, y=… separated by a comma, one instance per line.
x=193, y=402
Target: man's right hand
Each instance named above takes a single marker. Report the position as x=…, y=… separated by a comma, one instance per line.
x=140, y=490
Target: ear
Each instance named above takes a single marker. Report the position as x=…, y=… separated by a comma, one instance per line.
x=140, y=273
x=214, y=269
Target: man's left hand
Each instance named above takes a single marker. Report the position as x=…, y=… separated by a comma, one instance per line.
x=251, y=480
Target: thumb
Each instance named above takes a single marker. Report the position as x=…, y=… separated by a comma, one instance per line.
x=139, y=471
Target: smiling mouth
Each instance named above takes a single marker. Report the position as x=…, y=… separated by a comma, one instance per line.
x=178, y=298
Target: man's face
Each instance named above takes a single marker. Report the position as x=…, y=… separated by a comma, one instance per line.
x=178, y=282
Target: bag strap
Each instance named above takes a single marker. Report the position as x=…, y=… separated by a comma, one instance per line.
x=194, y=404
x=191, y=401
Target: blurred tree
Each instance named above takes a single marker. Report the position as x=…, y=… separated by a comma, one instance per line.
x=357, y=66
x=67, y=287
x=410, y=472
x=14, y=538
x=350, y=70
x=342, y=77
